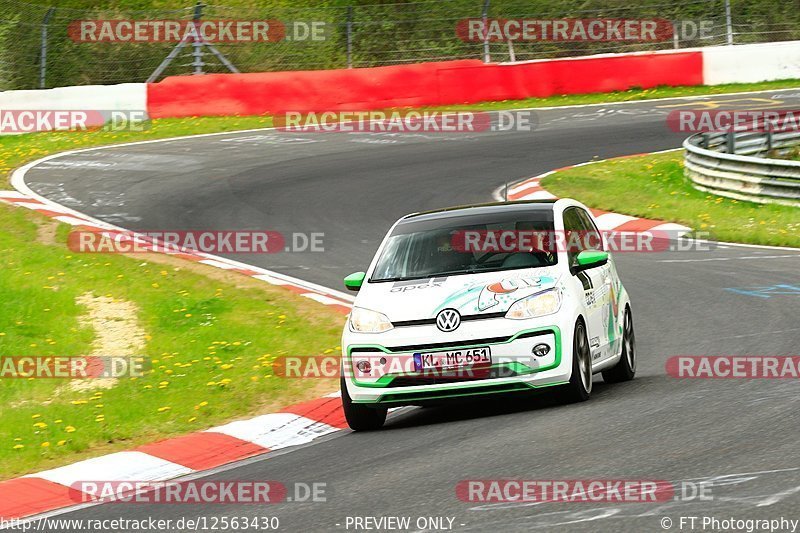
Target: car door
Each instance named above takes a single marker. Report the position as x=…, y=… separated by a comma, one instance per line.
x=581, y=234
x=607, y=295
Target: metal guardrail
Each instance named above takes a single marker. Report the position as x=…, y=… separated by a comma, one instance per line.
x=734, y=165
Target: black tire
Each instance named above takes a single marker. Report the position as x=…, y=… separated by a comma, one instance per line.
x=579, y=388
x=360, y=417
x=626, y=368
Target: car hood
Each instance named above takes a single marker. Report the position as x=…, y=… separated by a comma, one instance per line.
x=469, y=294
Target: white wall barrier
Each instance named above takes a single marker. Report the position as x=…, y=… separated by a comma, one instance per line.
x=127, y=97
x=750, y=63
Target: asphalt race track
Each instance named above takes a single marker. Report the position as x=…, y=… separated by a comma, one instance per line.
x=740, y=435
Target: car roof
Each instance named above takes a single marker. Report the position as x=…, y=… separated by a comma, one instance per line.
x=482, y=209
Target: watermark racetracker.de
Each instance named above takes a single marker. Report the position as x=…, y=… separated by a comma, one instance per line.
x=206, y=241
x=405, y=121
x=197, y=492
x=72, y=366
x=207, y=31
x=33, y=120
x=734, y=367
x=581, y=30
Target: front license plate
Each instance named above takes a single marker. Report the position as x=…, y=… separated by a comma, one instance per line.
x=481, y=356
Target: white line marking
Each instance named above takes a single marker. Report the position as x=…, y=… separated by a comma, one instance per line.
x=216, y=263
x=321, y=298
x=775, y=498
x=726, y=258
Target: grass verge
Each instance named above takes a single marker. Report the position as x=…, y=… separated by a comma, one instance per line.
x=209, y=336
x=653, y=186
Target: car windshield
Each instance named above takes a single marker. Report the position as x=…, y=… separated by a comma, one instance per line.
x=466, y=244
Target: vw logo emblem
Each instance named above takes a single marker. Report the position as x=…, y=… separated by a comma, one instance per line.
x=448, y=320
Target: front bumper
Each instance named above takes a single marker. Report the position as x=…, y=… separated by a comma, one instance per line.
x=514, y=368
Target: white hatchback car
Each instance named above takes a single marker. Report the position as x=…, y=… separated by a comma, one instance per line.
x=485, y=299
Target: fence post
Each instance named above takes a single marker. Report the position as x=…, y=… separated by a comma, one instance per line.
x=728, y=22
x=197, y=44
x=485, y=17
x=349, y=30
x=731, y=142
x=43, y=50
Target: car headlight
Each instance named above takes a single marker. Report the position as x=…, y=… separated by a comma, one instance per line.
x=544, y=303
x=366, y=321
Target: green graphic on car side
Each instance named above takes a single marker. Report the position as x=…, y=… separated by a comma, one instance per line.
x=496, y=296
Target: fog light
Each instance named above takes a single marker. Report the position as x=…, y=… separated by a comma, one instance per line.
x=540, y=350
x=364, y=366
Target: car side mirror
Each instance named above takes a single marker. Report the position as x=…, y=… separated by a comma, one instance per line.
x=589, y=259
x=354, y=281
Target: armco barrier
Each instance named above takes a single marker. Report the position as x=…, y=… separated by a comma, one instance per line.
x=744, y=177
x=426, y=84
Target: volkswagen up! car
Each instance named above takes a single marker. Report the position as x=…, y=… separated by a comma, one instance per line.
x=485, y=299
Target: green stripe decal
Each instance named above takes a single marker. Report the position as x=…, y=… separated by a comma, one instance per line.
x=519, y=368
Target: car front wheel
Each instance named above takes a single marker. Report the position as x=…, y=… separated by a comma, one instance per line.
x=579, y=387
x=360, y=417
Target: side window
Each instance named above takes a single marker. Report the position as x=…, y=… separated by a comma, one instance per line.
x=591, y=236
x=573, y=227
